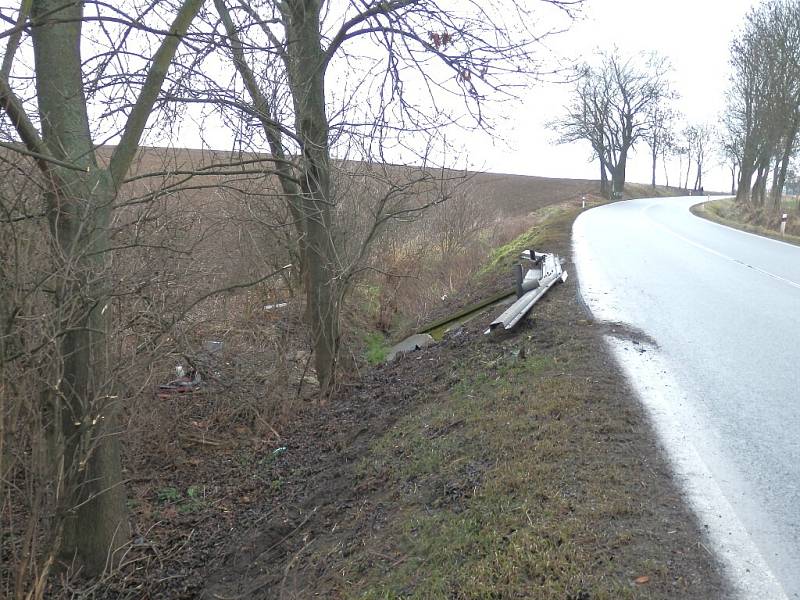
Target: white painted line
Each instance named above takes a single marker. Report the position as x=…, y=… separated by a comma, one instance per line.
x=674, y=233
x=750, y=233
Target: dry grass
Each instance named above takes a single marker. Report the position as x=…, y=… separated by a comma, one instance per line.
x=758, y=220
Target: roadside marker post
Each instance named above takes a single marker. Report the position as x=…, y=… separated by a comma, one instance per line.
x=784, y=217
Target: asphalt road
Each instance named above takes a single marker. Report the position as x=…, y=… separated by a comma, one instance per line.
x=723, y=307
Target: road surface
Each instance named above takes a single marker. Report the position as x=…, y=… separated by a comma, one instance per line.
x=723, y=308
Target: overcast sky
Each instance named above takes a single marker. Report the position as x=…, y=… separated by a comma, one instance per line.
x=695, y=36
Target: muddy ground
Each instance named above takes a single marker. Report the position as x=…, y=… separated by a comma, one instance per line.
x=345, y=502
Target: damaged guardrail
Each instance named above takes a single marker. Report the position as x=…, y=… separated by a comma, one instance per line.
x=545, y=272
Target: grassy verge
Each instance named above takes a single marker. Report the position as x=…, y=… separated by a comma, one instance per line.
x=725, y=212
x=498, y=500
x=551, y=234
x=376, y=348
x=532, y=475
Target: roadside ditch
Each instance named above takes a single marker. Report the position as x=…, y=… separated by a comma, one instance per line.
x=520, y=465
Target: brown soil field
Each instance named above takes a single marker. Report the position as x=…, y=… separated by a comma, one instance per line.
x=512, y=195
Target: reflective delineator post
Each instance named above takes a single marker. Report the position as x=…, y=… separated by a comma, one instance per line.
x=784, y=218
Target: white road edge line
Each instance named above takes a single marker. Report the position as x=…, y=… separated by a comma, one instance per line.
x=750, y=233
x=646, y=210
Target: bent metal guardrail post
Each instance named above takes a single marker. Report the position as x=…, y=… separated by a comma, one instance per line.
x=545, y=273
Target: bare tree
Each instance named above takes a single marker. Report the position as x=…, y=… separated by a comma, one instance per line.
x=614, y=106
x=588, y=118
x=668, y=148
x=79, y=192
x=662, y=117
x=730, y=149
x=699, y=139
x=288, y=54
x=763, y=112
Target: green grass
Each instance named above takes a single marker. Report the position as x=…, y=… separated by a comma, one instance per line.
x=168, y=494
x=190, y=501
x=488, y=510
x=540, y=238
x=376, y=349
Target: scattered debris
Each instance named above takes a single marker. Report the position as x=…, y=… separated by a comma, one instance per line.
x=546, y=271
x=274, y=306
x=415, y=342
x=185, y=383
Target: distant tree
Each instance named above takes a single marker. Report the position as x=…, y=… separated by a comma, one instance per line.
x=699, y=139
x=588, y=118
x=668, y=148
x=730, y=150
x=662, y=117
x=613, y=106
x=763, y=111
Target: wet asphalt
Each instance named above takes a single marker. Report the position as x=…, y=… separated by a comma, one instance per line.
x=723, y=307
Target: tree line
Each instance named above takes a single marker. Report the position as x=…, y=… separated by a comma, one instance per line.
x=619, y=102
x=763, y=104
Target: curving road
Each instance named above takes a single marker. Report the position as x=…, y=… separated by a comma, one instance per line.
x=723, y=308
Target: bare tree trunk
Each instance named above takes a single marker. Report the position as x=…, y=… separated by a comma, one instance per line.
x=80, y=196
x=743, y=192
x=604, y=180
x=747, y=169
x=618, y=172
x=96, y=522
x=779, y=181
x=654, y=155
x=698, y=181
x=760, y=185
x=688, y=168
x=775, y=191
x=306, y=71
x=756, y=187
